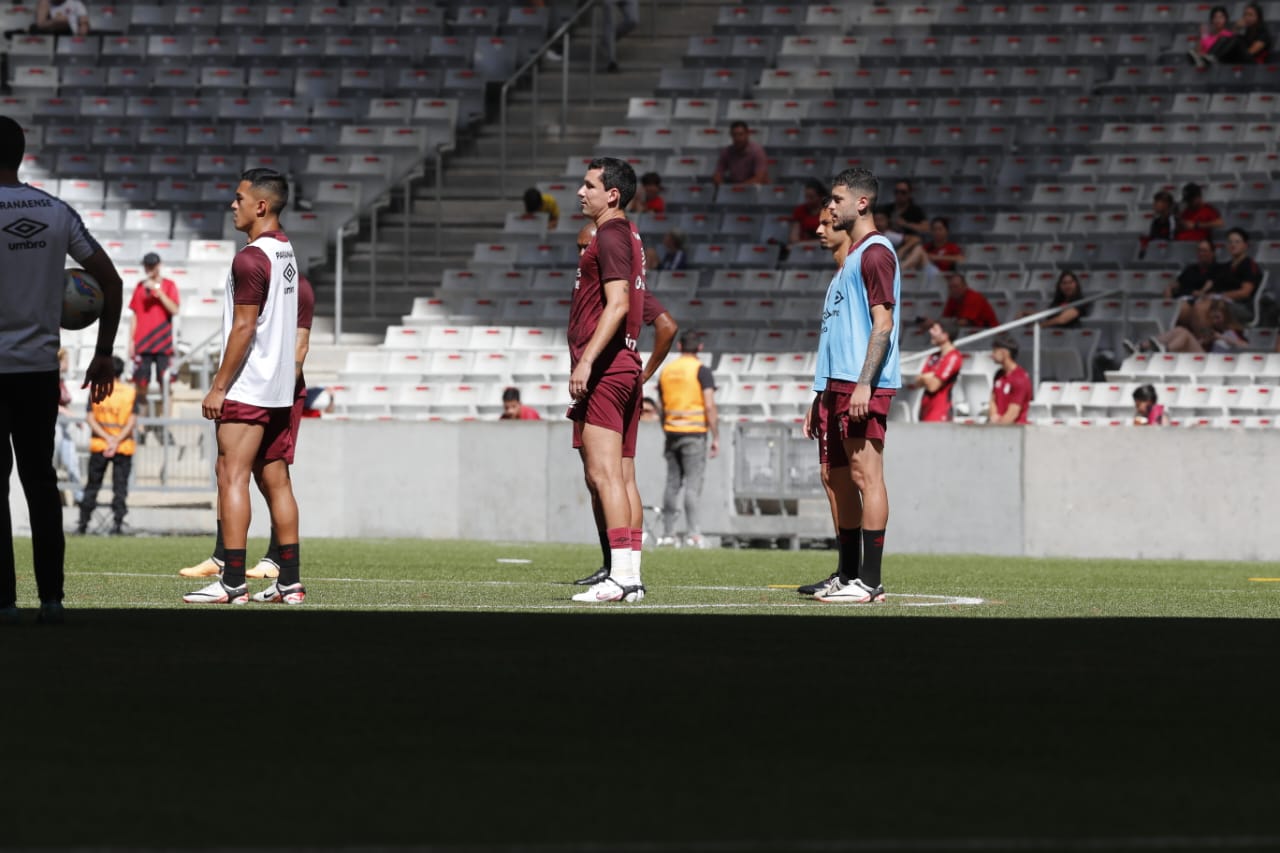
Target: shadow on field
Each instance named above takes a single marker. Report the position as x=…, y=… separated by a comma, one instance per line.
x=404, y=728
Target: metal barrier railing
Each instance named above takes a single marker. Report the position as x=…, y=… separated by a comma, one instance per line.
x=171, y=454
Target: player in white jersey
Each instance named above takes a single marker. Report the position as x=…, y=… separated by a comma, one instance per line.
x=37, y=233
x=253, y=391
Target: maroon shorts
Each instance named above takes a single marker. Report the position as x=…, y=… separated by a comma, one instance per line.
x=614, y=402
x=277, y=435
x=834, y=425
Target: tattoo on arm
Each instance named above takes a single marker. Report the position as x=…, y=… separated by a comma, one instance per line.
x=877, y=349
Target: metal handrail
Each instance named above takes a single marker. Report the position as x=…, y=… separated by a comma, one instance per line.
x=1017, y=324
x=560, y=35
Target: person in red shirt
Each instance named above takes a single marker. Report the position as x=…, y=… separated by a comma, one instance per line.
x=1197, y=220
x=1011, y=391
x=805, y=216
x=940, y=254
x=649, y=199
x=514, y=410
x=940, y=372
x=154, y=302
x=968, y=307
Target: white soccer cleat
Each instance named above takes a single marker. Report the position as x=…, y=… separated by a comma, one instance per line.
x=853, y=592
x=265, y=569
x=276, y=594
x=610, y=590
x=207, y=568
x=219, y=593
x=667, y=542
x=695, y=541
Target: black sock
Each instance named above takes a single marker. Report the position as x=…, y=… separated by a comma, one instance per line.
x=289, y=562
x=233, y=568
x=606, y=550
x=872, y=552
x=850, y=552
x=273, y=550
x=219, y=549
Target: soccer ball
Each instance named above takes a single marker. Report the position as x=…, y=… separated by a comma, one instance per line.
x=81, y=300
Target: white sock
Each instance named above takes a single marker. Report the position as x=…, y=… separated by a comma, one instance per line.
x=635, y=564
x=620, y=567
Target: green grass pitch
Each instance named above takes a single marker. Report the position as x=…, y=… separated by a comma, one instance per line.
x=438, y=695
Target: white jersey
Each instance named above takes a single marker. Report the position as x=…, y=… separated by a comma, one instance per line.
x=37, y=232
x=265, y=273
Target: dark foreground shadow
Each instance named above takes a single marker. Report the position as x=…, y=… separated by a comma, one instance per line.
x=274, y=727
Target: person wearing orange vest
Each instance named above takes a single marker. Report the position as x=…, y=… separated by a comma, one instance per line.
x=112, y=422
x=689, y=413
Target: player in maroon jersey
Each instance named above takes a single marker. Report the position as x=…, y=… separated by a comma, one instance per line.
x=939, y=374
x=604, y=327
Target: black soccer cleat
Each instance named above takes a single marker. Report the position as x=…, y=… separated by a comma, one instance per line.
x=593, y=579
x=815, y=588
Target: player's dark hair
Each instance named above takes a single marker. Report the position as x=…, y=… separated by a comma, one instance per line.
x=117, y=364
x=860, y=181
x=1191, y=191
x=532, y=200
x=510, y=395
x=617, y=175
x=740, y=124
x=949, y=327
x=1244, y=235
x=1145, y=394
x=13, y=144
x=270, y=182
x=818, y=187
x=689, y=341
x=1007, y=342
x=651, y=179
x=943, y=221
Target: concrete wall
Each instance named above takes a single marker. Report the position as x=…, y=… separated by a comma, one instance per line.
x=1101, y=492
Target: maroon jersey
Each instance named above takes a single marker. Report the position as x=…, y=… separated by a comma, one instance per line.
x=615, y=253
x=936, y=405
x=653, y=309
x=1012, y=388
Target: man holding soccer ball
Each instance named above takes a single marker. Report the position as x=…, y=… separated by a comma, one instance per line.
x=39, y=232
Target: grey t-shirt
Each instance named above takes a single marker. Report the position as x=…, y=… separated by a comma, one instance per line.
x=37, y=232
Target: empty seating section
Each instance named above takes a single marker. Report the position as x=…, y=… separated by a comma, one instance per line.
x=164, y=106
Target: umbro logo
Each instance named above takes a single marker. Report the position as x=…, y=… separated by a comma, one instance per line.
x=289, y=273
x=25, y=229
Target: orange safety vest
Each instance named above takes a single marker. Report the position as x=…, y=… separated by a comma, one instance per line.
x=682, y=407
x=112, y=414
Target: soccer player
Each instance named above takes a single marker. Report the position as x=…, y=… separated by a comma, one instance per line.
x=269, y=565
x=857, y=374
x=939, y=375
x=848, y=538
x=664, y=332
x=604, y=325
x=254, y=390
x=40, y=232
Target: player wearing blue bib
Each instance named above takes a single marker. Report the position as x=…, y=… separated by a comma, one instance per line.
x=856, y=376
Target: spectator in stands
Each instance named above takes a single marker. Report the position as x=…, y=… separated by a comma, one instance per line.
x=1066, y=291
x=1251, y=42
x=968, y=307
x=940, y=373
x=1222, y=334
x=154, y=302
x=536, y=201
x=649, y=411
x=620, y=18
x=1147, y=410
x=63, y=17
x=1196, y=220
x=649, y=199
x=112, y=422
x=743, y=161
x=673, y=257
x=514, y=410
x=904, y=214
x=939, y=254
x=1218, y=29
x=902, y=243
x=1164, y=221
x=319, y=401
x=1011, y=391
x=1193, y=285
x=805, y=216
x=1237, y=280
